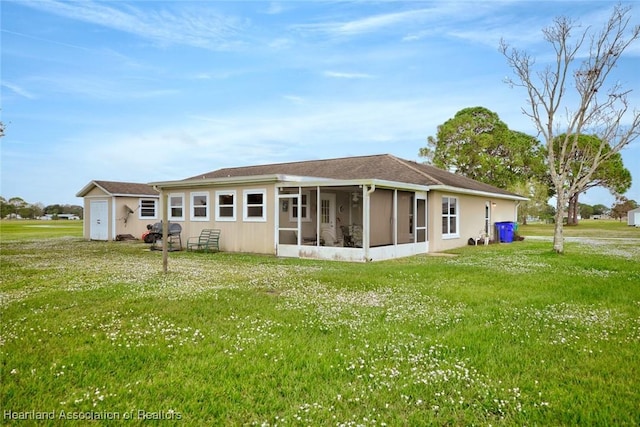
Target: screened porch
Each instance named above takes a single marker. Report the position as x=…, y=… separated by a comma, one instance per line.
x=357, y=222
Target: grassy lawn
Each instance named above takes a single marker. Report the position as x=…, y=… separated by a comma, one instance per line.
x=585, y=228
x=508, y=334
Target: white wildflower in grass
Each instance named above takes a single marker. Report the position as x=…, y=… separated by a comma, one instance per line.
x=499, y=335
x=566, y=324
x=249, y=332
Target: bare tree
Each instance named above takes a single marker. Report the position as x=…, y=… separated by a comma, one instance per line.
x=598, y=110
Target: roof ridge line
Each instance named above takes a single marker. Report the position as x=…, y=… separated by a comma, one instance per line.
x=423, y=173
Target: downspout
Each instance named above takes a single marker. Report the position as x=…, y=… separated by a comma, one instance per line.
x=367, y=221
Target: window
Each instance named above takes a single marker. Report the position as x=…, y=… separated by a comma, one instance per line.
x=304, y=208
x=487, y=218
x=255, y=208
x=450, y=217
x=148, y=208
x=176, y=206
x=199, y=206
x=226, y=206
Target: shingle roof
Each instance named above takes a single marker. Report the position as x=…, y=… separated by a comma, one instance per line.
x=383, y=166
x=117, y=188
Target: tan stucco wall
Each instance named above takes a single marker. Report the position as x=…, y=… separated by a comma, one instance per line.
x=471, y=212
x=132, y=223
x=238, y=235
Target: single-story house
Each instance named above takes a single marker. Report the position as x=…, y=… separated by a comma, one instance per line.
x=356, y=208
x=633, y=217
x=118, y=208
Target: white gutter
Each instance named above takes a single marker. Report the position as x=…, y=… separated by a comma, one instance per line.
x=214, y=181
x=459, y=190
x=285, y=181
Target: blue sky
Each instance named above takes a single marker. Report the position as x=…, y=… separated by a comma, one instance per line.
x=147, y=91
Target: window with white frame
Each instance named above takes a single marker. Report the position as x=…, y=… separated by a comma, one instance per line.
x=225, y=205
x=304, y=208
x=176, y=207
x=148, y=208
x=450, y=217
x=200, y=206
x=255, y=207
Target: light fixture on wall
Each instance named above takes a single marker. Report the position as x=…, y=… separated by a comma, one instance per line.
x=355, y=198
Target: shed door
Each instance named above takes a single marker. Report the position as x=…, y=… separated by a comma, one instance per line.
x=99, y=217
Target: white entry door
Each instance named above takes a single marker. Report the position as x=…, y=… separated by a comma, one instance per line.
x=99, y=217
x=328, y=219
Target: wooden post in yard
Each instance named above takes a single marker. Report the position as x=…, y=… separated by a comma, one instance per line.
x=164, y=199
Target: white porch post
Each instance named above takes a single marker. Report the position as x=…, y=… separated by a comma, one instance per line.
x=318, y=218
x=394, y=219
x=276, y=219
x=164, y=200
x=299, y=216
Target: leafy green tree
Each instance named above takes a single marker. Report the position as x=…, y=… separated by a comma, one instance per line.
x=585, y=211
x=610, y=173
x=600, y=210
x=621, y=207
x=595, y=109
x=6, y=208
x=477, y=144
x=537, y=206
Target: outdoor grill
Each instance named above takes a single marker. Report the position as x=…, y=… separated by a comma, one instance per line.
x=154, y=236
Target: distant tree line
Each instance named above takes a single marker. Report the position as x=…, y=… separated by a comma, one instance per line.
x=17, y=206
x=547, y=212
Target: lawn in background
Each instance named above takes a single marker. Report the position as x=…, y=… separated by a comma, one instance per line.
x=507, y=334
x=602, y=228
x=39, y=229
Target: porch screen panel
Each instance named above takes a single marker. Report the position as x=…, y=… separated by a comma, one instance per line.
x=405, y=217
x=421, y=218
x=381, y=218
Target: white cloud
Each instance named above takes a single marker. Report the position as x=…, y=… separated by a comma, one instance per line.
x=17, y=90
x=342, y=75
x=365, y=25
x=201, y=27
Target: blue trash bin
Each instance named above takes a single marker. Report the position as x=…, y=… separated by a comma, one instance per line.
x=505, y=231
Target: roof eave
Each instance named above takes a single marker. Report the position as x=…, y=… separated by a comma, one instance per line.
x=478, y=193
x=204, y=182
x=316, y=182
x=87, y=188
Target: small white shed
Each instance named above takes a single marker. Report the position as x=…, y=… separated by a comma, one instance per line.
x=633, y=217
x=112, y=208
